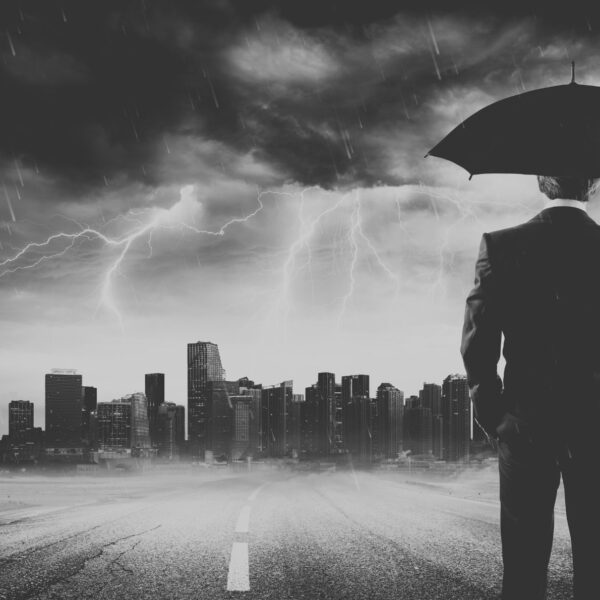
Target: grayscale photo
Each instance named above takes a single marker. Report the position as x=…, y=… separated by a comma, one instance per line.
x=299, y=300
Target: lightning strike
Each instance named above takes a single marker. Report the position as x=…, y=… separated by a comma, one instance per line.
x=142, y=228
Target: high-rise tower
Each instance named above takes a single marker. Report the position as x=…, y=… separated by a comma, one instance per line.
x=63, y=409
x=203, y=365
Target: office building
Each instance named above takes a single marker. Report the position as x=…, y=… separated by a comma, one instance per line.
x=389, y=422
x=358, y=412
x=203, y=366
x=88, y=412
x=276, y=404
x=456, y=412
x=155, y=396
x=114, y=425
x=63, y=409
x=123, y=424
x=165, y=431
x=220, y=417
x=20, y=418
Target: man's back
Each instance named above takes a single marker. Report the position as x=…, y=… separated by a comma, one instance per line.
x=542, y=286
x=547, y=278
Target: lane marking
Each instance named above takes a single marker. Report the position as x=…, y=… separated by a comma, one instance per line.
x=257, y=491
x=243, y=522
x=238, y=579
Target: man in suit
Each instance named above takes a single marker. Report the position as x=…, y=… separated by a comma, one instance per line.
x=538, y=285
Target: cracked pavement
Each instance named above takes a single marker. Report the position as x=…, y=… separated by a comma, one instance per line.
x=329, y=536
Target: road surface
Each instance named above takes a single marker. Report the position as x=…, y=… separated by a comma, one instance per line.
x=274, y=535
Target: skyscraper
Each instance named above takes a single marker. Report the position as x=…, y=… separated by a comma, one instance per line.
x=431, y=397
x=456, y=411
x=326, y=413
x=354, y=385
x=276, y=404
x=155, y=396
x=180, y=427
x=309, y=422
x=220, y=417
x=164, y=432
x=114, y=425
x=63, y=409
x=123, y=424
x=88, y=409
x=203, y=365
x=390, y=412
x=20, y=419
x=357, y=417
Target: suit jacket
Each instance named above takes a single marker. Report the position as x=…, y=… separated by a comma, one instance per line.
x=538, y=285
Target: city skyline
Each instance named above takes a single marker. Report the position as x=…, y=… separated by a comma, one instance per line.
x=242, y=420
x=99, y=397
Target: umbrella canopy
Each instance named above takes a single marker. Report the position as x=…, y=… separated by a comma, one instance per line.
x=550, y=131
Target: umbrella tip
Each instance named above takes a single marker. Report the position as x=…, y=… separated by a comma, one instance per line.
x=470, y=176
x=572, y=71
x=426, y=155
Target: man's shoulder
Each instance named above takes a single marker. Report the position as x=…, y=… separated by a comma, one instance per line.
x=509, y=235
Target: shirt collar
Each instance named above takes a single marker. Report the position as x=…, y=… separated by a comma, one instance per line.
x=560, y=202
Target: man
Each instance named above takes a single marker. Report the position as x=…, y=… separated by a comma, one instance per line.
x=538, y=284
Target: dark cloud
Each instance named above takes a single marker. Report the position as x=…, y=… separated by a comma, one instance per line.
x=90, y=89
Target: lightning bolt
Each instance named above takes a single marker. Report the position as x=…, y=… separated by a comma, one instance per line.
x=146, y=223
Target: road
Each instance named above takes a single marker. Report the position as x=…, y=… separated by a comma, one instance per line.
x=271, y=535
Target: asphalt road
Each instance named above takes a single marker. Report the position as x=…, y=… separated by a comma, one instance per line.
x=274, y=535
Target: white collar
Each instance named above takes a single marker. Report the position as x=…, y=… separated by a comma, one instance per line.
x=561, y=202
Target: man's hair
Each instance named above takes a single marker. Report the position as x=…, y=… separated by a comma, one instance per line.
x=567, y=188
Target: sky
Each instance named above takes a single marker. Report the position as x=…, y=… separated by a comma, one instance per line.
x=252, y=174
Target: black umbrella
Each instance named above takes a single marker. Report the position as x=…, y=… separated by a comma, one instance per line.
x=550, y=131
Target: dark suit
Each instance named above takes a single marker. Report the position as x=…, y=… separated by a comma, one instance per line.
x=539, y=284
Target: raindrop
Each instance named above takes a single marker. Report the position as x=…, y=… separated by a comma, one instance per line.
x=19, y=174
x=432, y=36
x=10, y=43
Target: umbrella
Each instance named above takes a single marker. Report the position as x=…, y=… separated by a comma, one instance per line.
x=550, y=131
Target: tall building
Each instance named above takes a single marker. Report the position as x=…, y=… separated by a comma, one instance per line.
x=123, y=424
x=430, y=396
x=390, y=412
x=220, y=417
x=456, y=412
x=296, y=424
x=354, y=385
x=20, y=418
x=326, y=413
x=246, y=424
x=114, y=425
x=339, y=425
x=155, y=396
x=309, y=422
x=357, y=417
x=63, y=409
x=140, y=428
x=276, y=404
x=88, y=411
x=165, y=433
x=203, y=365
x=180, y=426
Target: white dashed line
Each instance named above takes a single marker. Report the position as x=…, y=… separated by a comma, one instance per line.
x=243, y=522
x=238, y=579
